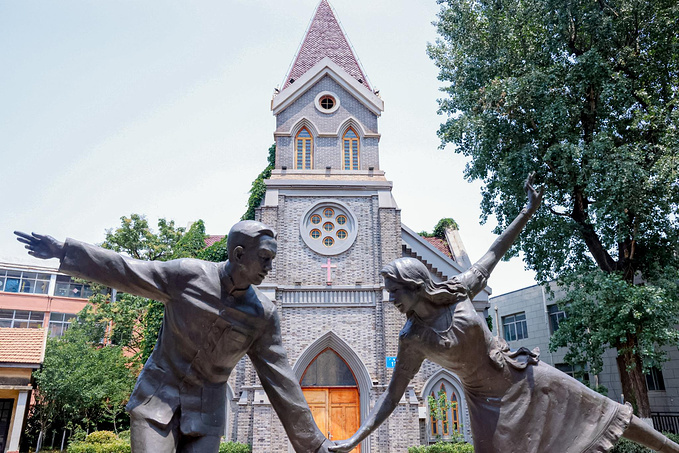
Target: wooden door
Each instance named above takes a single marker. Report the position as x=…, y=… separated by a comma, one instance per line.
x=336, y=411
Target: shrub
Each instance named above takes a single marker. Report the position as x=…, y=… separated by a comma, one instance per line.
x=124, y=435
x=443, y=447
x=117, y=446
x=101, y=437
x=234, y=447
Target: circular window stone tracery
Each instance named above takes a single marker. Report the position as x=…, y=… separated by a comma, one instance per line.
x=337, y=230
x=326, y=102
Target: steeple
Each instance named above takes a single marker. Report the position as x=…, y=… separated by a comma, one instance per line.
x=325, y=38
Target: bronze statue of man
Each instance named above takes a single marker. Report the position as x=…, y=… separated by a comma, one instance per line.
x=213, y=317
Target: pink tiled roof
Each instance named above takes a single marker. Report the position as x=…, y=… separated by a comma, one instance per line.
x=325, y=38
x=441, y=245
x=21, y=345
x=213, y=239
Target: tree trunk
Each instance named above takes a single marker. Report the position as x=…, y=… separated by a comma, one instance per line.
x=633, y=380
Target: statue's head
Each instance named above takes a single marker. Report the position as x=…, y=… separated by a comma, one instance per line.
x=252, y=247
x=411, y=275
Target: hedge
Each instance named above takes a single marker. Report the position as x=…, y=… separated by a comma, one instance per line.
x=234, y=447
x=443, y=447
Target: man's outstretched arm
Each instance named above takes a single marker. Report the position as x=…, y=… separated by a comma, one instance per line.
x=150, y=279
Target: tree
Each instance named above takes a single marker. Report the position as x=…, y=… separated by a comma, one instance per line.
x=81, y=382
x=258, y=188
x=584, y=93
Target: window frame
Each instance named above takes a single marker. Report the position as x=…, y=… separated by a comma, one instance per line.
x=351, y=155
x=510, y=324
x=304, y=153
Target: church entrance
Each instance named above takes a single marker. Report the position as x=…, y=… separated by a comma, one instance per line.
x=330, y=389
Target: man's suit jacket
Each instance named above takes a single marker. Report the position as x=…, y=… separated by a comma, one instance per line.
x=207, y=328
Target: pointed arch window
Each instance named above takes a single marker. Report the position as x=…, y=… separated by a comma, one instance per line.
x=351, y=150
x=304, y=146
x=447, y=421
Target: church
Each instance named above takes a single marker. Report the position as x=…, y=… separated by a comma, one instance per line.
x=338, y=225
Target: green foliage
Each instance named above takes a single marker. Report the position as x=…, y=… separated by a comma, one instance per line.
x=627, y=446
x=217, y=252
x=258, y=188
x=489, y=322
x=234, y=447
x=440, y=229
x=602, y=308
x=584, y=94
x=443, y=447
x=117, y=446
x=81, y=382
x=100, y=437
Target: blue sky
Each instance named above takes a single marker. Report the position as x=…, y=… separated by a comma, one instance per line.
x=109, y=108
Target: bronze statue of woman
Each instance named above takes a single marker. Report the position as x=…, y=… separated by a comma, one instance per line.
x=516, y=402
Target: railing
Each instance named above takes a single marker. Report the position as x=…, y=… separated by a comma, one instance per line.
x=320, y=296
x=666, y=421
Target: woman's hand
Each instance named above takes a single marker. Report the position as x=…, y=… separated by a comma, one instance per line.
x=344, y=446
x=534, y=196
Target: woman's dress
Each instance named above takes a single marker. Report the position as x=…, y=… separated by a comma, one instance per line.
x=517, y=404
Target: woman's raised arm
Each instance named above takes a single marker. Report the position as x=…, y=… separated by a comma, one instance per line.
x=508, y=236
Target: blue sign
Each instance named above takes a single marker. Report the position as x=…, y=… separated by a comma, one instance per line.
x=391, y=362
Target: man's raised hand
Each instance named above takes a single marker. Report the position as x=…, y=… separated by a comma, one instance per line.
x=41, y=246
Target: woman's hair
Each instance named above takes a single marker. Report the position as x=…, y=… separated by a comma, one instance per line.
x=411, y=272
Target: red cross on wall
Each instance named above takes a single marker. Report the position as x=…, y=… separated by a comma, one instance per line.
x=329, y=266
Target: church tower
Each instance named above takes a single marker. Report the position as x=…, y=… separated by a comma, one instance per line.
x=337, y=225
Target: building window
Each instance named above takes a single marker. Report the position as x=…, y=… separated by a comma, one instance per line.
x=66, y=287
x=448, y=419
x=327, y=102
x=351, y=150
x=59, y=322
x=574, y=372
x=515, y=327
x=654, y=380
x=556, y=315
x=22, y=319
x=303, y=150
x=328, y=228
x=24, y=282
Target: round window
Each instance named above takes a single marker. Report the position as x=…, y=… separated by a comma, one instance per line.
x=326, y=102
x=328, y=227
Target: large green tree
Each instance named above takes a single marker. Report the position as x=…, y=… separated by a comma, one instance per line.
x=584, y=93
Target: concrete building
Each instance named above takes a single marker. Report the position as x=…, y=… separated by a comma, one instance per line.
x=528, y=317
x=338, y=225
x=35, y=303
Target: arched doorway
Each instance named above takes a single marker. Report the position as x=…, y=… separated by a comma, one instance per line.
x=331, y=390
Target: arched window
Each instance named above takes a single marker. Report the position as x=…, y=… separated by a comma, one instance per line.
x=446, y=422
x=351, y=150
x=455, y=420
x=303, y=150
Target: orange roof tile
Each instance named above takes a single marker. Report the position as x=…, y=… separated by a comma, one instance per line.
x=441, y=245
x=22, y=345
